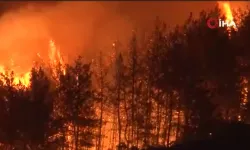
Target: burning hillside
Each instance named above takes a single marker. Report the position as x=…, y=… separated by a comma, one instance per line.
x=139, y=98
x=26, y=31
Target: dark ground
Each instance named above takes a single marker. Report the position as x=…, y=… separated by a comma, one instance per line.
x=227, y=136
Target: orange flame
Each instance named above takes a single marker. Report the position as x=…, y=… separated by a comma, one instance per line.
x=227, y=11
x=23, y=78
x=55, y=57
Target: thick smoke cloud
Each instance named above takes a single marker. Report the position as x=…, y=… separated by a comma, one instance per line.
x=81, y=27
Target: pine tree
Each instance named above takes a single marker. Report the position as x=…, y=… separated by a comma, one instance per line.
x=77, y=98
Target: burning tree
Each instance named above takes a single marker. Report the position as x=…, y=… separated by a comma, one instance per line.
x=159, y=92
x=76, y=95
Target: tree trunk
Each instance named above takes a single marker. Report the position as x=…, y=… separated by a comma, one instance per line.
x=158, y=125
x=126, y=132
x=119, y=120
x=101, y=78
x=101, y=123
x=165, y=121
x=133, y=105
x=113, y=130
x=76, y=137
x=170, y=119
x=178, y=121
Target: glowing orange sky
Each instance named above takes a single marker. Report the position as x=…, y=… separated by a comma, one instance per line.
x=78, y=26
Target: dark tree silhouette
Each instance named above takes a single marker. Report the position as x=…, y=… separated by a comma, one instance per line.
x=76, y=93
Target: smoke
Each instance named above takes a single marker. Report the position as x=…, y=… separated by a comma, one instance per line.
x=76, y=27
x=81, y=27
x=87, y=27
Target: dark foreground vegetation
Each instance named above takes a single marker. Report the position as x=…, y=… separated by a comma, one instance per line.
x=225, y=136
x=164, y=91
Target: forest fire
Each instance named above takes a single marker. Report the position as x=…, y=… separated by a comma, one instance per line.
x=18, y=78
x=226, y=8
x=159, y=91
x=23, y=78
x=227, y=11
x=55, y=57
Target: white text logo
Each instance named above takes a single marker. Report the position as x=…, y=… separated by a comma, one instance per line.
x=213, y=23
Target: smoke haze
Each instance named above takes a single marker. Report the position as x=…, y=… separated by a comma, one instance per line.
x=81, y=27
